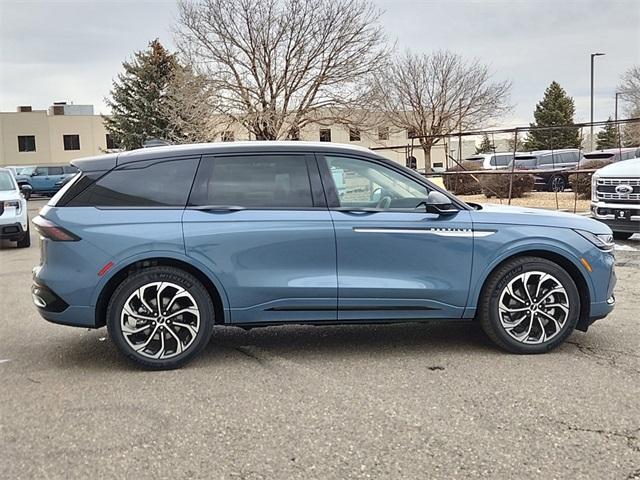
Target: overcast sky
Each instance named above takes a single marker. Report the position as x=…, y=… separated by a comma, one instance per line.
x=70, y=50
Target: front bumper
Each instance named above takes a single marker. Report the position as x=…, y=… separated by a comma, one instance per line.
x=12, y=231
x=620, y=217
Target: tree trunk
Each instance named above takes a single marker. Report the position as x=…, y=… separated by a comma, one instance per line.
x=426, y=148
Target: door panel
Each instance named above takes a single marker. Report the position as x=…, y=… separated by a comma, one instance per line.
x=276, y=263
x=395, y=261
x=402, y=265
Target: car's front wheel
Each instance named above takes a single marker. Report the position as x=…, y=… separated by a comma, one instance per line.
x=160, y=317
x=529, y=305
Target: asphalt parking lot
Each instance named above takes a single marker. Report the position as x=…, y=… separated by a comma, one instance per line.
x=431, y=400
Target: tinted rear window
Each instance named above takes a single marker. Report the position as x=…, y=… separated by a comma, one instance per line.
x=598, y=156
x=260, y=181
x=159, y=184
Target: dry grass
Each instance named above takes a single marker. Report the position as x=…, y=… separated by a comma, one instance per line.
x=537, y=200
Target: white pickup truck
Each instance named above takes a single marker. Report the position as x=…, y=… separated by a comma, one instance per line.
x=615, y=197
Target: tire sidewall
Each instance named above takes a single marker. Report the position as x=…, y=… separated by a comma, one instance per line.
x=159, y=274
x=572, y=294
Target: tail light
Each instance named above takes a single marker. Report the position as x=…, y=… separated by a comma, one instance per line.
x=54, y=232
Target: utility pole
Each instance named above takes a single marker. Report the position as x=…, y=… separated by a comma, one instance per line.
x=593, y=55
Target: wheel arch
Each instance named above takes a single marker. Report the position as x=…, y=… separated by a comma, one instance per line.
x=138, y=265
x=564, y=262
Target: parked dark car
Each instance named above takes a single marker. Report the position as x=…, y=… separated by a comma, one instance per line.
x=558, y=161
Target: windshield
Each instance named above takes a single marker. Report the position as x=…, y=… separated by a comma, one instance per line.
x=6, y=182
x=26, y=171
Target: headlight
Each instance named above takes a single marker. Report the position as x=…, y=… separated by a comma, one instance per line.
x=15, y=204
x=594, y=182
x=603, y=241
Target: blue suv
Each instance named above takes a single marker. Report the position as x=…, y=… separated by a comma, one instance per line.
x=162, y=244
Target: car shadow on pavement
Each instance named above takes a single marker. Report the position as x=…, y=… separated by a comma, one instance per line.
x=229, y=345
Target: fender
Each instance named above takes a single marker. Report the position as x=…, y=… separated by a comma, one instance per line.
x=124, y=263
x=517, y=248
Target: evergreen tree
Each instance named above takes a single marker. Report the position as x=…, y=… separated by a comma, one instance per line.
x=138, y=95
x=485, y=145
x=608, y=137
x=556, y=108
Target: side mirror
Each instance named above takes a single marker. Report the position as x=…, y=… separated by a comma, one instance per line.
x=26, y=189
x=34, y=174
x=376, y=194
x=439, y=204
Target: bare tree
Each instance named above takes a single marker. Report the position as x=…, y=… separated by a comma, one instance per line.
x=277, y=65
x=188, y=108
x=630, y=88
x=439, y=94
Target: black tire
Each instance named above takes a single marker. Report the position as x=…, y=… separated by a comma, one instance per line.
x=489, y=315
x=622, y=235
x=557, y=183
x=25, y=241
x=161, y=274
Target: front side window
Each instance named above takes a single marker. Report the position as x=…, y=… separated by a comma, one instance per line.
x=365, y=184
x=26, y=143
x=160, y=184
x=41, y=171
x=253, y=181
x=71, y=142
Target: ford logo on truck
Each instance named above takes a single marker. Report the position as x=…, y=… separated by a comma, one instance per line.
x=624, y=189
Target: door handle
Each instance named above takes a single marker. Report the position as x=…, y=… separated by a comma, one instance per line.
x=219, y=208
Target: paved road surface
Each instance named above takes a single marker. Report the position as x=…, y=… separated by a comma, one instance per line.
x=401, y=401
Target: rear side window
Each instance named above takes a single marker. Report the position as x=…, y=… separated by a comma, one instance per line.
x=70, y=169
x=55, y=171
x=501, y=160
x=159, y=184
x=253, y=181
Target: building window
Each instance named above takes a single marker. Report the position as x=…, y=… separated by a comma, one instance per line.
x=325, y=134
x=111, y=142
x=26, y=143
x=71, y=142
x=383, y=133
x=354, y=135
x=294, y=134
x=227, y=136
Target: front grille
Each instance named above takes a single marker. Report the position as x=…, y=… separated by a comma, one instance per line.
x=606, y=189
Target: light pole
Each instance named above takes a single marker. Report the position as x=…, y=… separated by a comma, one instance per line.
x=593, y=55
x=616, y=109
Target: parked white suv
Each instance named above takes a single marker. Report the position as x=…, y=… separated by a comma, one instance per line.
x=14, y=222
x=615, y=197
x=491, y=161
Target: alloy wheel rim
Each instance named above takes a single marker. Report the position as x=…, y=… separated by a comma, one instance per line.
x=160, y=320
x=533, y=307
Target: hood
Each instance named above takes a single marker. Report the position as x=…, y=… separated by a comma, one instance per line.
x=505, y=214
x=9, y=195
x=624, y=168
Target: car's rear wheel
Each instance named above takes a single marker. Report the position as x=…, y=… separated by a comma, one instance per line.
x=557, y=183
x=529, y=305
x=622, y=235
x=25, y=241
x=160, y=317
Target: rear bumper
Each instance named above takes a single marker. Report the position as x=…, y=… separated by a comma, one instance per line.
x=54, y=309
